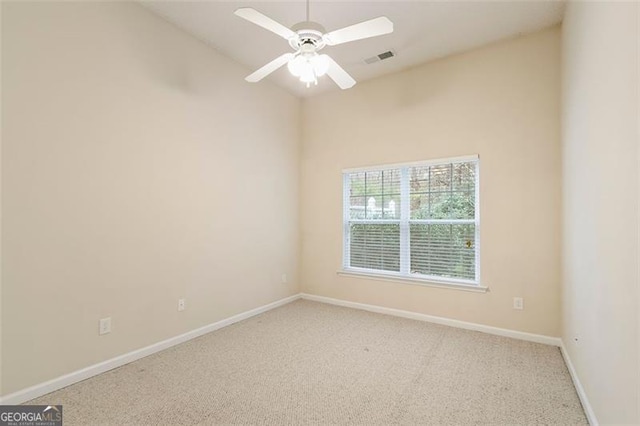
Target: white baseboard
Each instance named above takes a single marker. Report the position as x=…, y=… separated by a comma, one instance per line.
x=93, y=370
x=588, y=409
x=538, y=338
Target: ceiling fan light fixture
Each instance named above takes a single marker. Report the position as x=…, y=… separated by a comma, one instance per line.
x=308, y=76
x=296, y=66
x=308, y=67
x=320, y=64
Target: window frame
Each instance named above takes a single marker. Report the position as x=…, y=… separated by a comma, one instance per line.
x=405, y=221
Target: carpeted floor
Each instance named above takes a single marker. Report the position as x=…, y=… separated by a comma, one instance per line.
x=312, y=363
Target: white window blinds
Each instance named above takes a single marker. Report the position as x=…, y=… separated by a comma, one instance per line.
x=417, y=220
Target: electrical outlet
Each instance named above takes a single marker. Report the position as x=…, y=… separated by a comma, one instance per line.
x=105, y=326
x=181, y=304
x=284, y=278
x=518, y=303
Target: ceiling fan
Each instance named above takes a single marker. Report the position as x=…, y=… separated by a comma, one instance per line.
x=307, y=39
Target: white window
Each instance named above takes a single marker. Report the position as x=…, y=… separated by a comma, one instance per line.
x=417, y=220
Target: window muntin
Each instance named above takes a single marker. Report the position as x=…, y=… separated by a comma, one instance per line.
x=416, y=220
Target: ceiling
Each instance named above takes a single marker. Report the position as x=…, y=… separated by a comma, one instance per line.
x=423, y=31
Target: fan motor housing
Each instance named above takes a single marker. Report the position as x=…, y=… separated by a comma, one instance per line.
x=308, y=32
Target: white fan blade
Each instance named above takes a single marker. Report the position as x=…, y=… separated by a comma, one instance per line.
x=269, y=68
x=265, y=22
x=366, y=29
x=339, y=75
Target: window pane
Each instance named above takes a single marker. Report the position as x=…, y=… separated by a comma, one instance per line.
x=439, y=205
x=374, y=183
x=443, y=191
x=356, y=183
x=464, y=177
x=357, y=207
x=392, y=206
x=419, y=179
x=443, y=250
x=357, y=194
x=440, y=178
x=391, y=179
x=375, y=194
x=419, y=192
x=462, y=205
x=374, y=207
x=375, y=246
x=391, y=194
x=419, y=206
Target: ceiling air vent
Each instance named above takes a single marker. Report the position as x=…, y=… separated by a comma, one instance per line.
x=380, y=57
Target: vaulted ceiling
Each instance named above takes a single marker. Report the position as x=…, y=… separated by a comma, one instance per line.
x=423, y=31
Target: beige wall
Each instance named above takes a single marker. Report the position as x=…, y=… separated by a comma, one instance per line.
x=501, y=102
x=600, y=164
x=138, y=167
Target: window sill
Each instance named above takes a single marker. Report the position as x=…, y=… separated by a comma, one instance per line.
x=415, y=281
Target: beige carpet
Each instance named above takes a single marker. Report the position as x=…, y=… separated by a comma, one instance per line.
x=311, y=363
